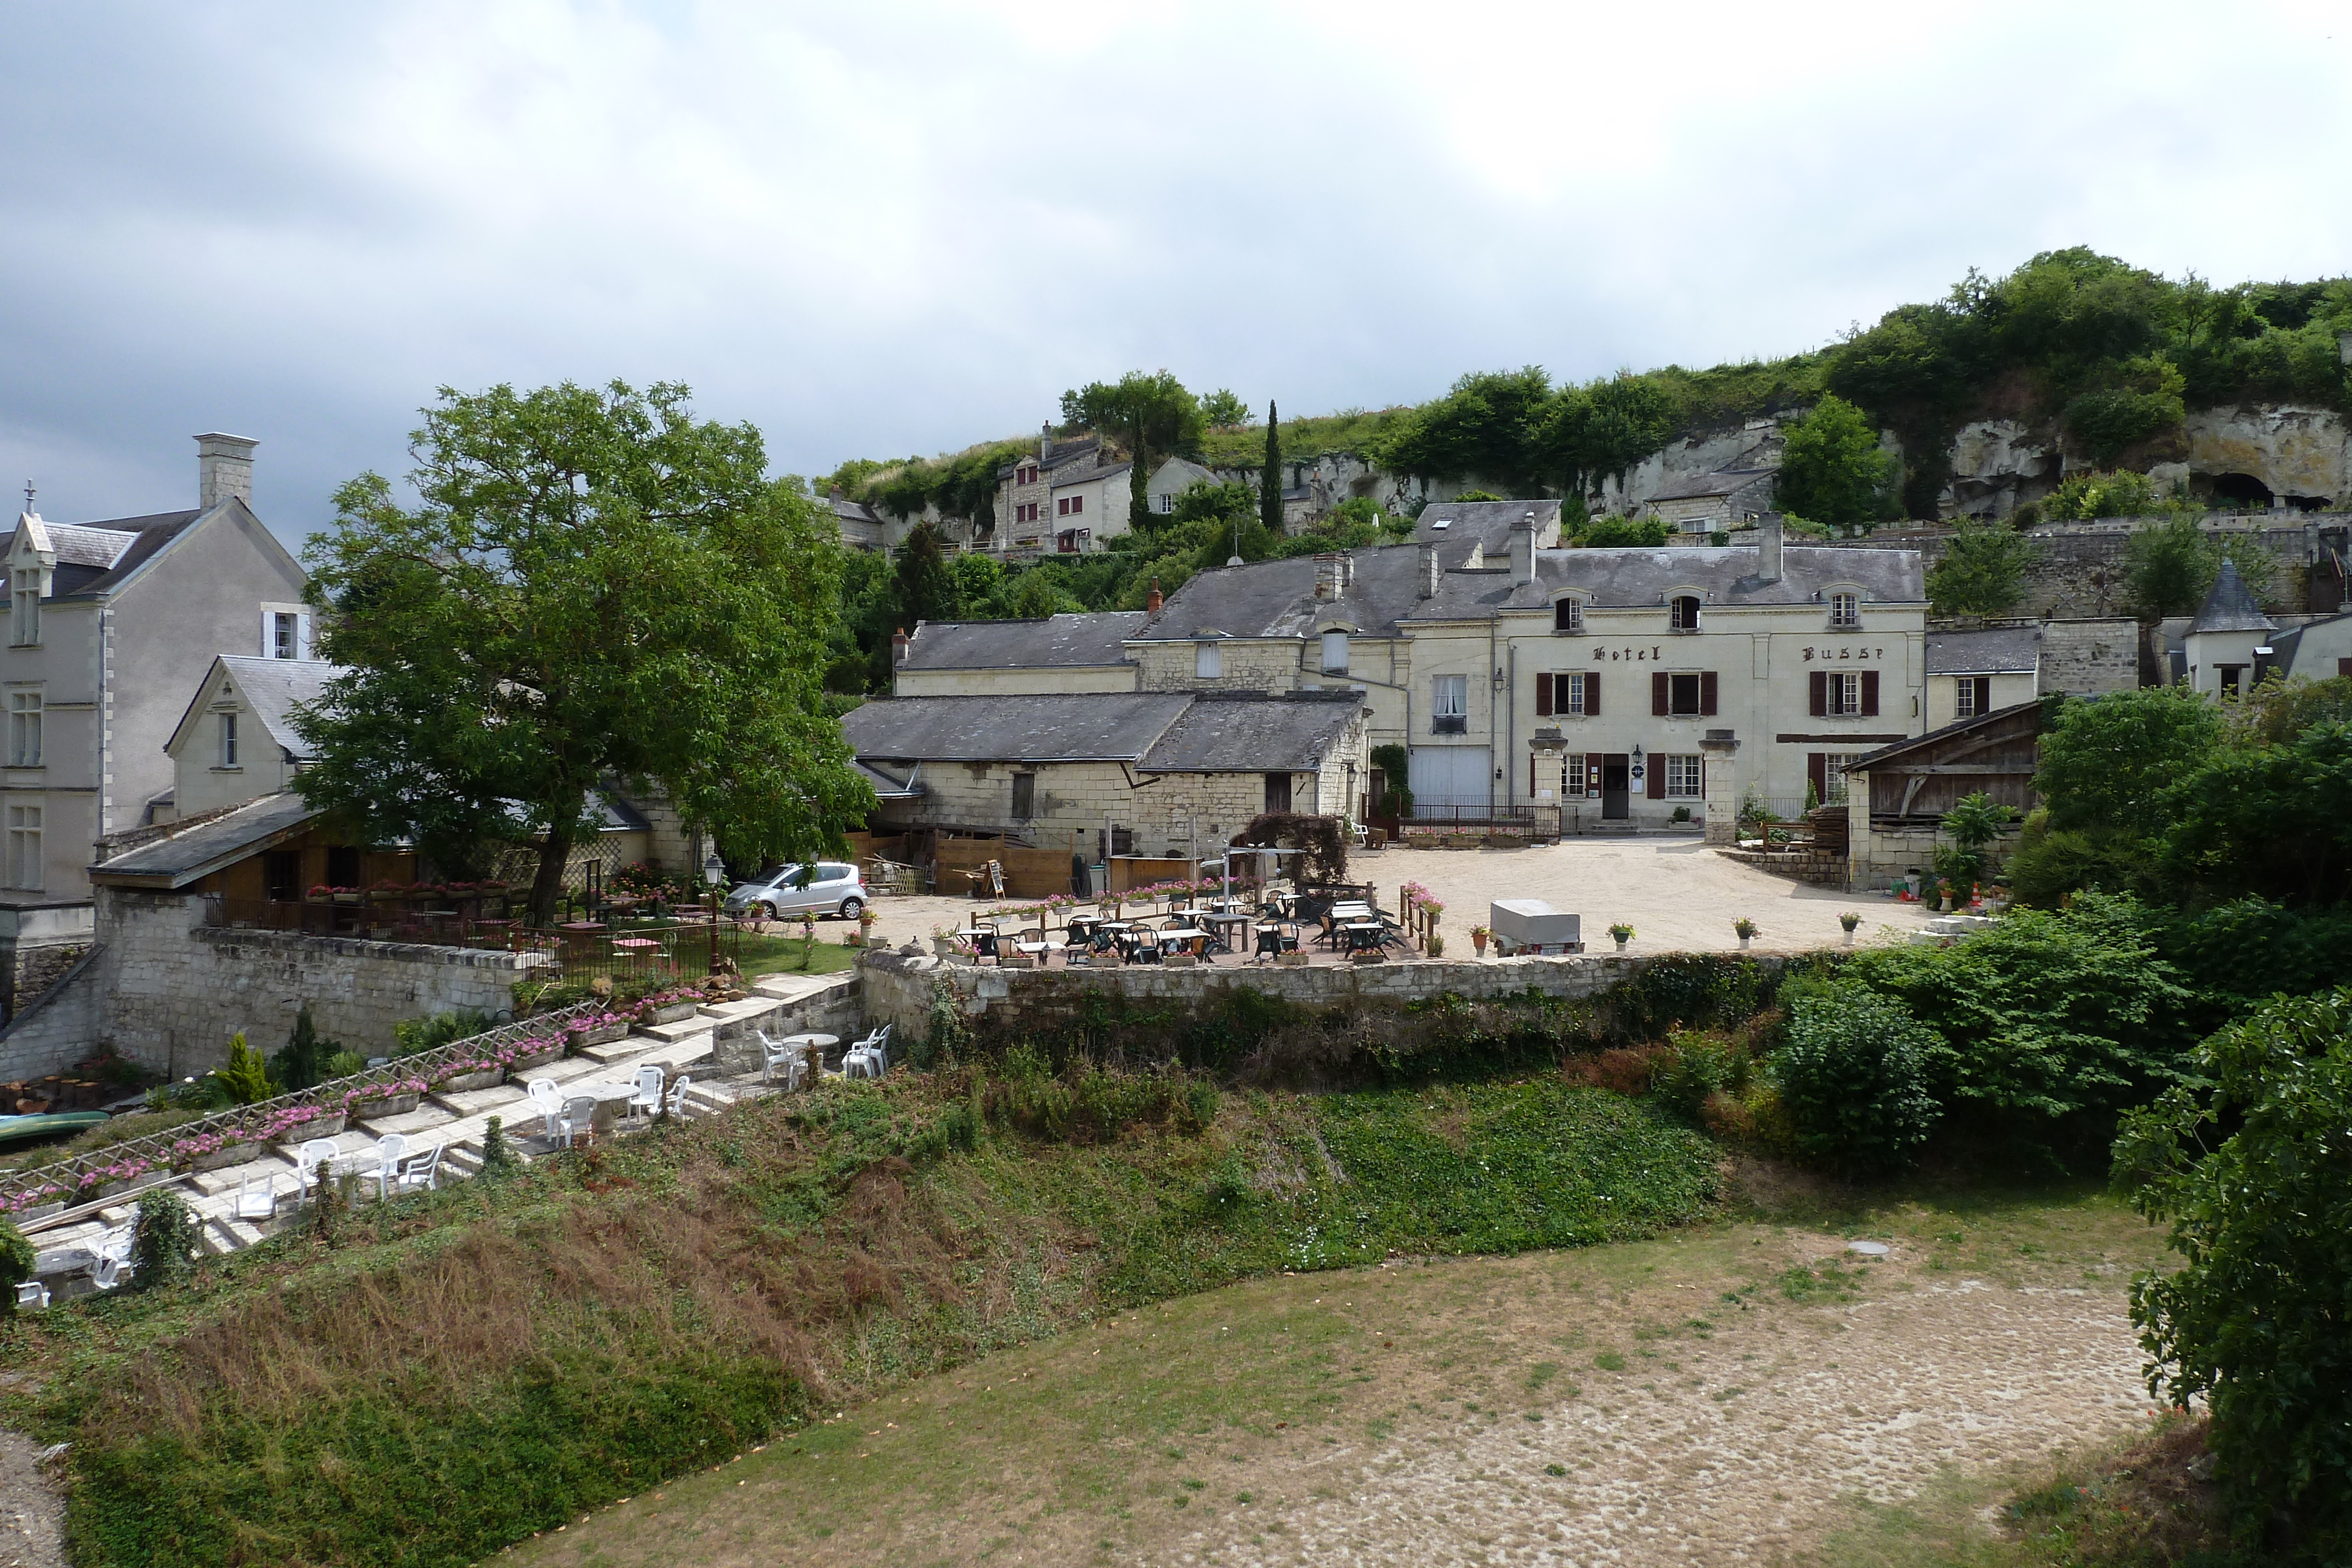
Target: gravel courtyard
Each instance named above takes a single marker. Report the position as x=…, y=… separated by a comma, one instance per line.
x=1677, y=892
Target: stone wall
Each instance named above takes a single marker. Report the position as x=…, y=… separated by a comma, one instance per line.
x=835, y=1010
x=2089, y=658
x=175, y=990
x=2079, y=572
x=57, y=1027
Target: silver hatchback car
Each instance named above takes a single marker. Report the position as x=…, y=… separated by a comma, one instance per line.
x=826, y=887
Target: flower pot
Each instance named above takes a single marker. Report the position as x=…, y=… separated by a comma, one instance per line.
x=1620, y=943
x=1293, y=960
x=943, y=946
x=465, y=1082
x=1849, y=938
x=227, y=1154
x=384, y=1105
x=1479, y=943
x=523, y=1064
x=110, y=1189
x=1017, y=961
x=1743, y=941
x=602, y=1034
x=325, y=1126
x=674, y=1012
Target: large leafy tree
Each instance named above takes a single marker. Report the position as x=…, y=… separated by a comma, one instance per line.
x=591, y=585
x=1832, y=470
x=1982, y=572
x=2108, y=762
x=1151, y=412
x=1592, y=432
x=1485, y=428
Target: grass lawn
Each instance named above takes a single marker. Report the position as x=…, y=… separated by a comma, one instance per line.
x=1428, y=1409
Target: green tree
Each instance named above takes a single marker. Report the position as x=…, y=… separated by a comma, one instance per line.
x=925, y=587
x=2273, y=822
x=245, y=1078
x=1149, y=412
x=1982, y=571
x=1852, y=1075
x=164, y=1242
x=2143, y=401
x=1220, y=408
x=2108, y=762
x=1831, y=469
x=1036, y=597
x=1599, y=431
x=2247, y=1162
x=2169, y=567
x=1485, y=427
x=1269, y=476
x=592, y=585
x=17, y=1258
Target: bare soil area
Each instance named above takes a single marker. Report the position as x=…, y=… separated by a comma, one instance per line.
x=32, y=1510
x=1720, y=1397
x=1677, y=893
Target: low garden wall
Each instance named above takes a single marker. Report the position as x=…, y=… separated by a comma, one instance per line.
x=835, y=1009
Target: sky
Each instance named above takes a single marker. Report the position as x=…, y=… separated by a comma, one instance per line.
x=878, y=229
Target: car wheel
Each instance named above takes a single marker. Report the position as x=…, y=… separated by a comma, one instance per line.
x=851, y=907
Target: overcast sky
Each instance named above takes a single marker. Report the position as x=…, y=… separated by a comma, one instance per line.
x=878, y=229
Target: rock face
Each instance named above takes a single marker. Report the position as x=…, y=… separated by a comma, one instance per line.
x=1999, y=465
x=2302, y=456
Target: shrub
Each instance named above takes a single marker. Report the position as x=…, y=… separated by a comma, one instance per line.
x=245, y=1080
x=1853, y=1078
x=413, y=1037
x=304, y=1060
x=164, y=1244
x=2252, y=1322
x=1695, y=1068
x=497, y=1156
x=17, y=1257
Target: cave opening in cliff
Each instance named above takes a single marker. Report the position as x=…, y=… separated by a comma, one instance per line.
x=2243, y=491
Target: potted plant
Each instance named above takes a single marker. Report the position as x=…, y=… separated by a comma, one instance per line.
x=1849, y=919
x=211, y=1151
x=463, y=1077
x=525, y=1055
x=1745, y=929
x=1621, y=933
x=596, y=1029
x=292, y=1124
x=395, y=1097
x=1479, y=935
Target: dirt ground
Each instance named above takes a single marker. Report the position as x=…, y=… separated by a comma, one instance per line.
x=32, y=1513
x=1678, y=894
x=1725, y=1396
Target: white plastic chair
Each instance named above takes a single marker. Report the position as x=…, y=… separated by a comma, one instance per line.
x=113, y=1265
x=548, y=1101
x=646, y=1103
x=579, y=1112
x=389, y=1151
x=32, y=1296
x=253, y=1208
x=419, y=1171
x=314, y=1153
x=870, y=1057
x=785, y=1053
x=677, y=1096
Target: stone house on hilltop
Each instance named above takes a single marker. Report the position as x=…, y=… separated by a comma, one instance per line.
x=1070, y=495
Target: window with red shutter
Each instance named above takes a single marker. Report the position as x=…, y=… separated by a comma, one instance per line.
x=1706, y=694
x=1817, y=773
x=1869, y=692
x=1077, y=506
x=1821, y=694
x=1543, y=696
x=1654, y=772
x=1592, y=694
x=1661, y=693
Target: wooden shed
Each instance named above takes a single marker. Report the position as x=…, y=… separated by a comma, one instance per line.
x=1910, y=785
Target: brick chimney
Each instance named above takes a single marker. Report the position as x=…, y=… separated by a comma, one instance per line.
x=898, y=647
x=1429, y=571
x=1151, y=600
x=1333, y=572
x=223, y=468
x=1768, y=546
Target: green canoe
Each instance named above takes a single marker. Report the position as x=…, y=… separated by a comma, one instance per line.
x=15, y=1129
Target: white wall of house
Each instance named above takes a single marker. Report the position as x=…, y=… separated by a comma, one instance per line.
x=1020, y=681
x=1952, y=697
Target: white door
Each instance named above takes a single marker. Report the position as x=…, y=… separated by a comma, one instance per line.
x=1447, y=778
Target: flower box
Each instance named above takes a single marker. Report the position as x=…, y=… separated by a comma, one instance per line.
x=674, y=1012
x=227, y=1154
x=1293, y=960
x=385, y=1106
x=110, y=1189
x=324, y=1126
x=523, y=1064
x=602, y=1034
x=465, y=1082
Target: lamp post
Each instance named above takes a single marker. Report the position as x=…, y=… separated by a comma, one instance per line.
x=714, y=872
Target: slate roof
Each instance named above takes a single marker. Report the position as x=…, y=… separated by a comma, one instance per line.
x=1702, y=486
x=1994, y=650
x=2289, y=643
x=1630, y=578
x=1107, y=727
x=1457, y=528
x=1901, y=747
x=1276, y=598
x=94, y=557
x=2231, y=606
x=885, y=787
x=179, y=859
x=272, y=688
x=83, y=544
x=1221, y=734
x=1057, y=455
x=1057, y=642
x=150, y=534
x=1111, y=471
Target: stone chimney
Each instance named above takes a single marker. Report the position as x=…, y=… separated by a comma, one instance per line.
x=1523, y=549
x=1151, y=600
x=1045, y=444
x=898, y=641
x=1429, y=571
x=223, y=468
x=1333, y=572
x=1768, y=546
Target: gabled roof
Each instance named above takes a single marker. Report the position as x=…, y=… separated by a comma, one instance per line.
x=1635, y=577
x=95, y=559
x=271, y=688
x=1057, y=642
x=1992, y=651
x=179, y=859
x=1457, y=528
x=1090, y=475
x=1935, y=738
x=2231, y=606
x=1222, y=733
x=1703, y=486
x=1276, y=598
x=1057, y=454
x=1110, y=726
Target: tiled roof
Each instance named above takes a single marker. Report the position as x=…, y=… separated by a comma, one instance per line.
x=1056, y=641
x=1276, y=598
x=2231, y=606
x=1221, y=734
x=1994, y=650
x=1457, y=527
x=1114, y=726
x=1725, y=575
x=178, y=859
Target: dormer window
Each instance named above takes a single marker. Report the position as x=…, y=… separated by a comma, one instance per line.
x=1845, y=609
x=1335, y=652
x=1568, y=615
x=1208, y=662
x=1683, y=613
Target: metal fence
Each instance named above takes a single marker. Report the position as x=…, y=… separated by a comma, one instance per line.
x=133, y=1158
x=1453, y=816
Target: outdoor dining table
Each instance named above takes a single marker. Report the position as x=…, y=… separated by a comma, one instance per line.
x=1363, y=935
x=814, y=1045
x=610, y=1098
x=1227, y=926
x=1183, y=937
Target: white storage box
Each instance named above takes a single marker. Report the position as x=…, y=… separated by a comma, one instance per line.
x=1531, y=925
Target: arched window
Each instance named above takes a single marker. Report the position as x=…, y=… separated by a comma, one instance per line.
x=1684, y=612
x=1568, y=615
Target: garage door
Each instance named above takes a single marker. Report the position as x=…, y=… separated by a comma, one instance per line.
x=1447, y=778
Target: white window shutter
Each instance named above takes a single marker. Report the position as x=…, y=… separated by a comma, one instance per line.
x=268, y=648
x=302, y=635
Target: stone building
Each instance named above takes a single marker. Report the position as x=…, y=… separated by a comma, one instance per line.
x=236, y=741
x=1152, y=773
x=1713, y=503
x=975, y=658
x=862, y=527
x=1070, y=496
x=2221, y=640
x=108, y=623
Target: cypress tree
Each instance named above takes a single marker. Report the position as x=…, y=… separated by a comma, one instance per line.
x=1269, y=481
